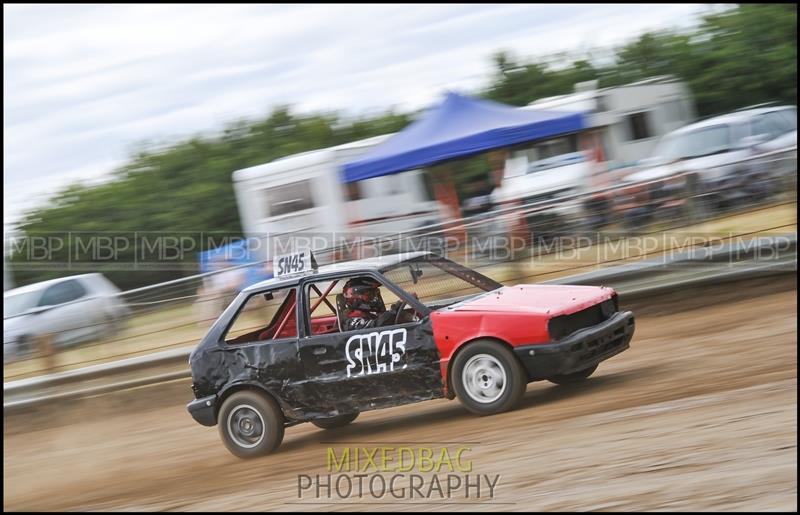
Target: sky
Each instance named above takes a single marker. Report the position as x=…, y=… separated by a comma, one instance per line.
x=84, y=84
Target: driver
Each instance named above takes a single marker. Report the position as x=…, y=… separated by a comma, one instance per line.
x=364, y=305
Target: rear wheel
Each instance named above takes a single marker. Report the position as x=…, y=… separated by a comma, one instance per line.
x=488, y=378
x=250, y=424
x=20, y=349
x=334, y=422
x=575, y=377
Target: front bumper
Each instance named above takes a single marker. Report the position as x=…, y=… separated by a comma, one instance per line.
x=582, y=349
x=204, y=410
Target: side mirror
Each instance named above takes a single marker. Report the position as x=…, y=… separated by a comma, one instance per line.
x=754, y=141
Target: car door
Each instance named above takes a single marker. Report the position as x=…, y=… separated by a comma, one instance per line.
x=372, y=367
x=64, y=313
x=259, y=347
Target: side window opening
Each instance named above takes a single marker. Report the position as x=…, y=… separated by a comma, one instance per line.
x=353, y=190
x=431, y=282
x=321, y=309
x=62, y=293
x=778, y=123
x=764, y=126
x=289, y=198
x=265, y=316
x=638, y=126
x=328, y=311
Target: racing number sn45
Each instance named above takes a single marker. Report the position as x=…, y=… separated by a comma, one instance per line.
x=284, y=352
x=291, y=263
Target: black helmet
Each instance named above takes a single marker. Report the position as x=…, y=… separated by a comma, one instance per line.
x=362, y=294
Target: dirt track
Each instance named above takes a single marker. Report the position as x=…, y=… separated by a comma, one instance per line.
x=699, y=414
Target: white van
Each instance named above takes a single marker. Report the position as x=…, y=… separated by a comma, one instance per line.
x=305, y=194
x=545, y=170
x=624, y=121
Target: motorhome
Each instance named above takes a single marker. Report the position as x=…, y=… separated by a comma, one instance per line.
x=304, y=194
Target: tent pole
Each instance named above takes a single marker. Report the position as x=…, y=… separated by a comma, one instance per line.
x=445, y=192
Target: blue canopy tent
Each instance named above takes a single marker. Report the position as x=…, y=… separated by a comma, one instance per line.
x=459, y=127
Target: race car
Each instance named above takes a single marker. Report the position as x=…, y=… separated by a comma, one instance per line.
x=323, y=344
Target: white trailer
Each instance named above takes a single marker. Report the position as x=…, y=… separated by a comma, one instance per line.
x=304, y=194
x=631, y=117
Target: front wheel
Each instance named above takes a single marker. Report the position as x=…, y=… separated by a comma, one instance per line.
x=334, y=422
x=250, y=424
x=108, y=327
x=575, y=377
x=488, y=378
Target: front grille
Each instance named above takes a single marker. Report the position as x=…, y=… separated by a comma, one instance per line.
x=564, y=325
x=599, y=346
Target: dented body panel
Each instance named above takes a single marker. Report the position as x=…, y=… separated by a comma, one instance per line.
x=346, y=378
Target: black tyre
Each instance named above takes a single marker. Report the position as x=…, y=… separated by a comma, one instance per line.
x=26, y=347
x=107, y=328
x=575, y=377
x=20, y=349
x=334, y=422
x=251, y=424
x=488, y=378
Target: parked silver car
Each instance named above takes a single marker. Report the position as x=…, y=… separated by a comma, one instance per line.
x=71, y=309
x=717, y=149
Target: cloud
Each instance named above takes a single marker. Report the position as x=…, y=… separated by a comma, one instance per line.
x=83, y=83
